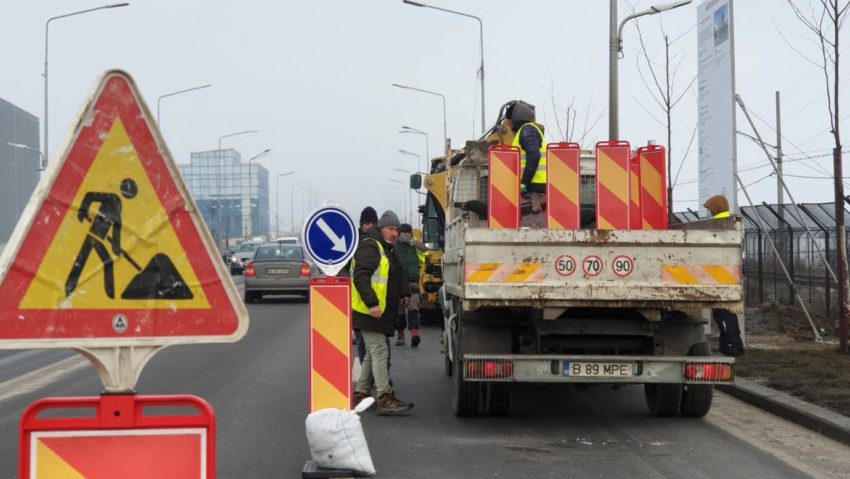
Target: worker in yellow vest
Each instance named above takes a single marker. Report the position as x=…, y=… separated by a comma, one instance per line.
x=731, y=343
x=379, y=288
x=528, y=136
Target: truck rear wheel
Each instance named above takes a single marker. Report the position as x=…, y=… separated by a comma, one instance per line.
x=466, y=395
x=498, y=399
x=696, y=398
x=663, y=399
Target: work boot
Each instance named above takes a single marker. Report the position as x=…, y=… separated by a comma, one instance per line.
x=389, y=405
x=359, y=396
x=414, y=338
x=400, y=340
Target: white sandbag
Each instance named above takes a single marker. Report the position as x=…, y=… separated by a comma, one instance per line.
x=336, y=440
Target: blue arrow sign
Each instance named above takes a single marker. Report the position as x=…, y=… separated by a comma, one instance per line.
x=330, y=238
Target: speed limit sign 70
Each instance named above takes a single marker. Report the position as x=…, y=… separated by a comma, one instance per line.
x=623, y=265
x=592, y=265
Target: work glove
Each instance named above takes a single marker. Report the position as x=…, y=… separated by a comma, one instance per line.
x=523, y=188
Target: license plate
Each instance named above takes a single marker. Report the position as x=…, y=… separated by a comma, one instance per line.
x=277, y=270
x=598, y=370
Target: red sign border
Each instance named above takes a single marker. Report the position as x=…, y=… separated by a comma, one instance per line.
x=226, y=320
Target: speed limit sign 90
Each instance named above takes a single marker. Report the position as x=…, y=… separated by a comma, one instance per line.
x=623, y=265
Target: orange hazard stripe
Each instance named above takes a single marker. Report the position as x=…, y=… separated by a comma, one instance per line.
x=504, y=179
x=503, y=272
x=700, y=274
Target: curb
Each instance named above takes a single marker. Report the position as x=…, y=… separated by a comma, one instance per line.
x=818, y=419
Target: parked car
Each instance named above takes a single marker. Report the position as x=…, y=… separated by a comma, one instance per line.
x=278, y=269
x=288, y=240
x=241, y=255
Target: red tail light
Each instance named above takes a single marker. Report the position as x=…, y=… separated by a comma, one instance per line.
x=305, y=269
x=708, y=371
x=249, y=270
x=489, y=369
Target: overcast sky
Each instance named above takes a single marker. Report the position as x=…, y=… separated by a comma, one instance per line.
x=315, y=78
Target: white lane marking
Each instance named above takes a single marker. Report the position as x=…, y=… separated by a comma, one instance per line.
x=34, y=380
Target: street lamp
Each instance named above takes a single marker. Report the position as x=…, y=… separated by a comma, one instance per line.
x=46, y=38
x=407, y=129
x=410, y=192
x=218, y=181
x=249, y=225
x=409, y=199
x=304, y=195
x=176, y=93
x=277, y=200
x=292, y=202
x=395, y=194
x=29, y=148
x=445, y=136
x=615, y=48
x=481, y=32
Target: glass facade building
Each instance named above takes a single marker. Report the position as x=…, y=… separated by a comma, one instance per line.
x=18, y=167
x=232, y=196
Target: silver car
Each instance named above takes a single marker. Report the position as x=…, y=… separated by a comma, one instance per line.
x=278, y=269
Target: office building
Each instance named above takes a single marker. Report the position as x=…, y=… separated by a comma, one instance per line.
x=19, y=165
x=220, y=182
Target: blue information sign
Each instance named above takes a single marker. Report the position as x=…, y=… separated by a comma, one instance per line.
x=330, y=238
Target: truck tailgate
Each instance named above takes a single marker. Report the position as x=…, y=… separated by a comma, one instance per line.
x=648, y=269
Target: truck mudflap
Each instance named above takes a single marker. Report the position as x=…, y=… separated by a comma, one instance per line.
x=598, y=369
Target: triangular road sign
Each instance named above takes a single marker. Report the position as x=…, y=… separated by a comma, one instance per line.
x=111, y=249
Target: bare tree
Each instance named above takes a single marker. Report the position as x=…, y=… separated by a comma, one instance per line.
x=663, y=88
x=824, y=19
x=567, y=131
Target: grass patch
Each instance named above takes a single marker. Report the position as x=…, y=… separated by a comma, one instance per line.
x=819, y=376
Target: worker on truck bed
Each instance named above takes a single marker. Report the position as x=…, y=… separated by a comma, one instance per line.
x=529, y=138
x=727, y=321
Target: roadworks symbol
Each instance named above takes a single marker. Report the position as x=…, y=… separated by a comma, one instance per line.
x=116, y=224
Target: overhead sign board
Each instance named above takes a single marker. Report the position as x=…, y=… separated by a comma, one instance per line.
x=330, y=238
x=716, y=102
x=111, y=249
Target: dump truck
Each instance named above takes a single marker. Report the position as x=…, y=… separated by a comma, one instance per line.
x=433, y=214
x=582, y=305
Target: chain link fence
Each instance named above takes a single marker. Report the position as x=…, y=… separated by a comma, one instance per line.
x=765, y=282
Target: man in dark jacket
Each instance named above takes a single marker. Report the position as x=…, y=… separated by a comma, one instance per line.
x=379, y=287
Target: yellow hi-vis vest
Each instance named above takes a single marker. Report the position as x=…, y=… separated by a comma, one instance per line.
x=724, y=214
x=380, y=278
x=540, y=174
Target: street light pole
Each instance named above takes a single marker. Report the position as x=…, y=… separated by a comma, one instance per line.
x=304, y=194
x=249, y=225
x=218, y=183
x=481, y=42
x=20, y=146
x=292, y=202
x=409, y=200
x=409, y=194
x=44, y=148
x=407, y=129
x=158, y=100
x=445, y=135
x=614, y=50
x=277, y=201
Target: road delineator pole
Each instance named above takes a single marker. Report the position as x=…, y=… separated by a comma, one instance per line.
x=330, y=343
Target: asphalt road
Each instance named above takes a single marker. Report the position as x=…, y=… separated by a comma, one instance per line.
x=258, y=388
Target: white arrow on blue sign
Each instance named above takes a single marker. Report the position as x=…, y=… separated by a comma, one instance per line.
x=330, y=238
